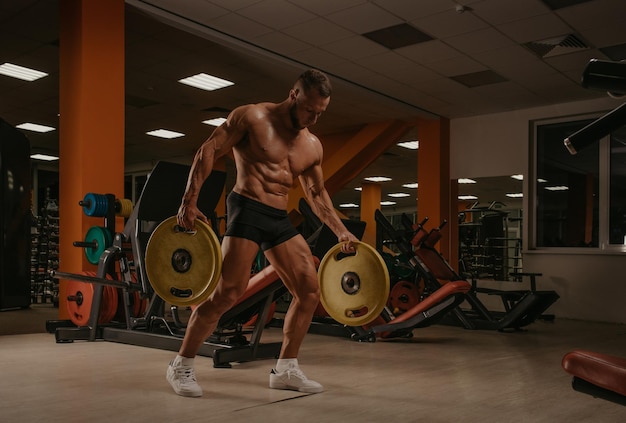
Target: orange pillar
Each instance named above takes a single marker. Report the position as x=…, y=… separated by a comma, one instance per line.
x=370, y=201
x=91, y=143
x=433, y=176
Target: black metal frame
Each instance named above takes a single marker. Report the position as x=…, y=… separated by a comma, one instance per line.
x=159, y=200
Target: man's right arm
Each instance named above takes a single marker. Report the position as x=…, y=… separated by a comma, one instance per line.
x=217, y=145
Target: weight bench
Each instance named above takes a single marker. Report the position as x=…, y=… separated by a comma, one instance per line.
x=419, y=244
x=600, y=375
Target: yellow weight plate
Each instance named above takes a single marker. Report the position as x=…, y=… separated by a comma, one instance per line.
x=182, y=267
x=355, y=287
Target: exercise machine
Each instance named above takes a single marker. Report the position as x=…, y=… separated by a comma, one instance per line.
x=522, y=307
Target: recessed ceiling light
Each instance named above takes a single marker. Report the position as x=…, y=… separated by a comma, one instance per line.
x=358, y=189
x=35, y=127
x=164, y=133
x=215, y=122
x=557, y=188
x=518, y=177
x=412, y=185
x=44, y=157
x=348, y=206
x=387, y=203
x=515, y=195
x=466, y=181
x=20, y=72
x=399, y=194
x=411, y=145
x=378, y=179
x=206, y=82
x=467, y=197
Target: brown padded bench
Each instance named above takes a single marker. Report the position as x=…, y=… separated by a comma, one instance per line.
x=600, y=375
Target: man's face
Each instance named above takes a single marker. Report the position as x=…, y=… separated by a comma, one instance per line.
x=306, y=108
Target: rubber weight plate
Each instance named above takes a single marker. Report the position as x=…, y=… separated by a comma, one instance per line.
x=354, y=287
x=101, y=238
x=80, y=300
x=183, y=268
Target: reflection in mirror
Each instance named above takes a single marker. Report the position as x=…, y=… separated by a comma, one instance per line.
x=490, y=227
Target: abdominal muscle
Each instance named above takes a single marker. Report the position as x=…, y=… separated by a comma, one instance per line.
x=268, y=184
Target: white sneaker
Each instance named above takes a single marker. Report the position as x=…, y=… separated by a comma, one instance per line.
x=293, y=379
x=183, y=380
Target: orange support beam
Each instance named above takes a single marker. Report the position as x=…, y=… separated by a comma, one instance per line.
x=91, y=144
x=433, y=176
x=370, y=201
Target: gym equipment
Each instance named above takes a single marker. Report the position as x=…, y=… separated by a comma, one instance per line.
x=15, y=218
x=100, y=205
x=606, y=76
x=354, y=287
x=522, y=307
x=97, y=240
x=602, y=75
x=597, y=129
x=80, y=300
x=126, y=262
x=403, y=296
x=183, y=267
x=600, y=375
x=429, y=310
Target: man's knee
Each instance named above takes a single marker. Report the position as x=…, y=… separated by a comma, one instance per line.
x=308, y=291
x=220, y=302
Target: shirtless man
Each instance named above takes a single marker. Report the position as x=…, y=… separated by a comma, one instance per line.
x=272, y=147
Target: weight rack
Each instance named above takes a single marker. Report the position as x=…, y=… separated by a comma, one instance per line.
x=159, y=200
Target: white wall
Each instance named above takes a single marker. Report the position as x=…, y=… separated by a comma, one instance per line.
x=591, y=286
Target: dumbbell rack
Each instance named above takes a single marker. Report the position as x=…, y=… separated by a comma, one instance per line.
x=45, y=254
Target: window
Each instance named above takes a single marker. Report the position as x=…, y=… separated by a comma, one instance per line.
x=617, y=193
x=579, y=200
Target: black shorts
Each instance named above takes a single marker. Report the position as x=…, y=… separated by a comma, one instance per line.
x=258, y=222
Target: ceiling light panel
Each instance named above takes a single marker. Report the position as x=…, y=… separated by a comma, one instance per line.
x=164, y=133
x=44, y=157
x=214, y=122
x=411, y=145
x=20, y=72
x=378, y=179
x=206, y=82
x=34, y=127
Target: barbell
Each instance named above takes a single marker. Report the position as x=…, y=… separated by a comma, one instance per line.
x=184, y=268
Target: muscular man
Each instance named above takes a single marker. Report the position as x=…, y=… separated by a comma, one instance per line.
x=272, y=147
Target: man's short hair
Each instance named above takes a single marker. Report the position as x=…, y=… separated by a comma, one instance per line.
x=316, y=79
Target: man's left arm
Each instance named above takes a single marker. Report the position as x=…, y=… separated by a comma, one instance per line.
x=312, y=181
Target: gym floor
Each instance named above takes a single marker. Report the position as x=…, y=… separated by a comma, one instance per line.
x=442, y=374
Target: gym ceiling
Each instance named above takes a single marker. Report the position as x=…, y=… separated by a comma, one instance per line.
x=389, y=59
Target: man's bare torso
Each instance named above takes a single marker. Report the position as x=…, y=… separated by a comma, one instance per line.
x=271, y=155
